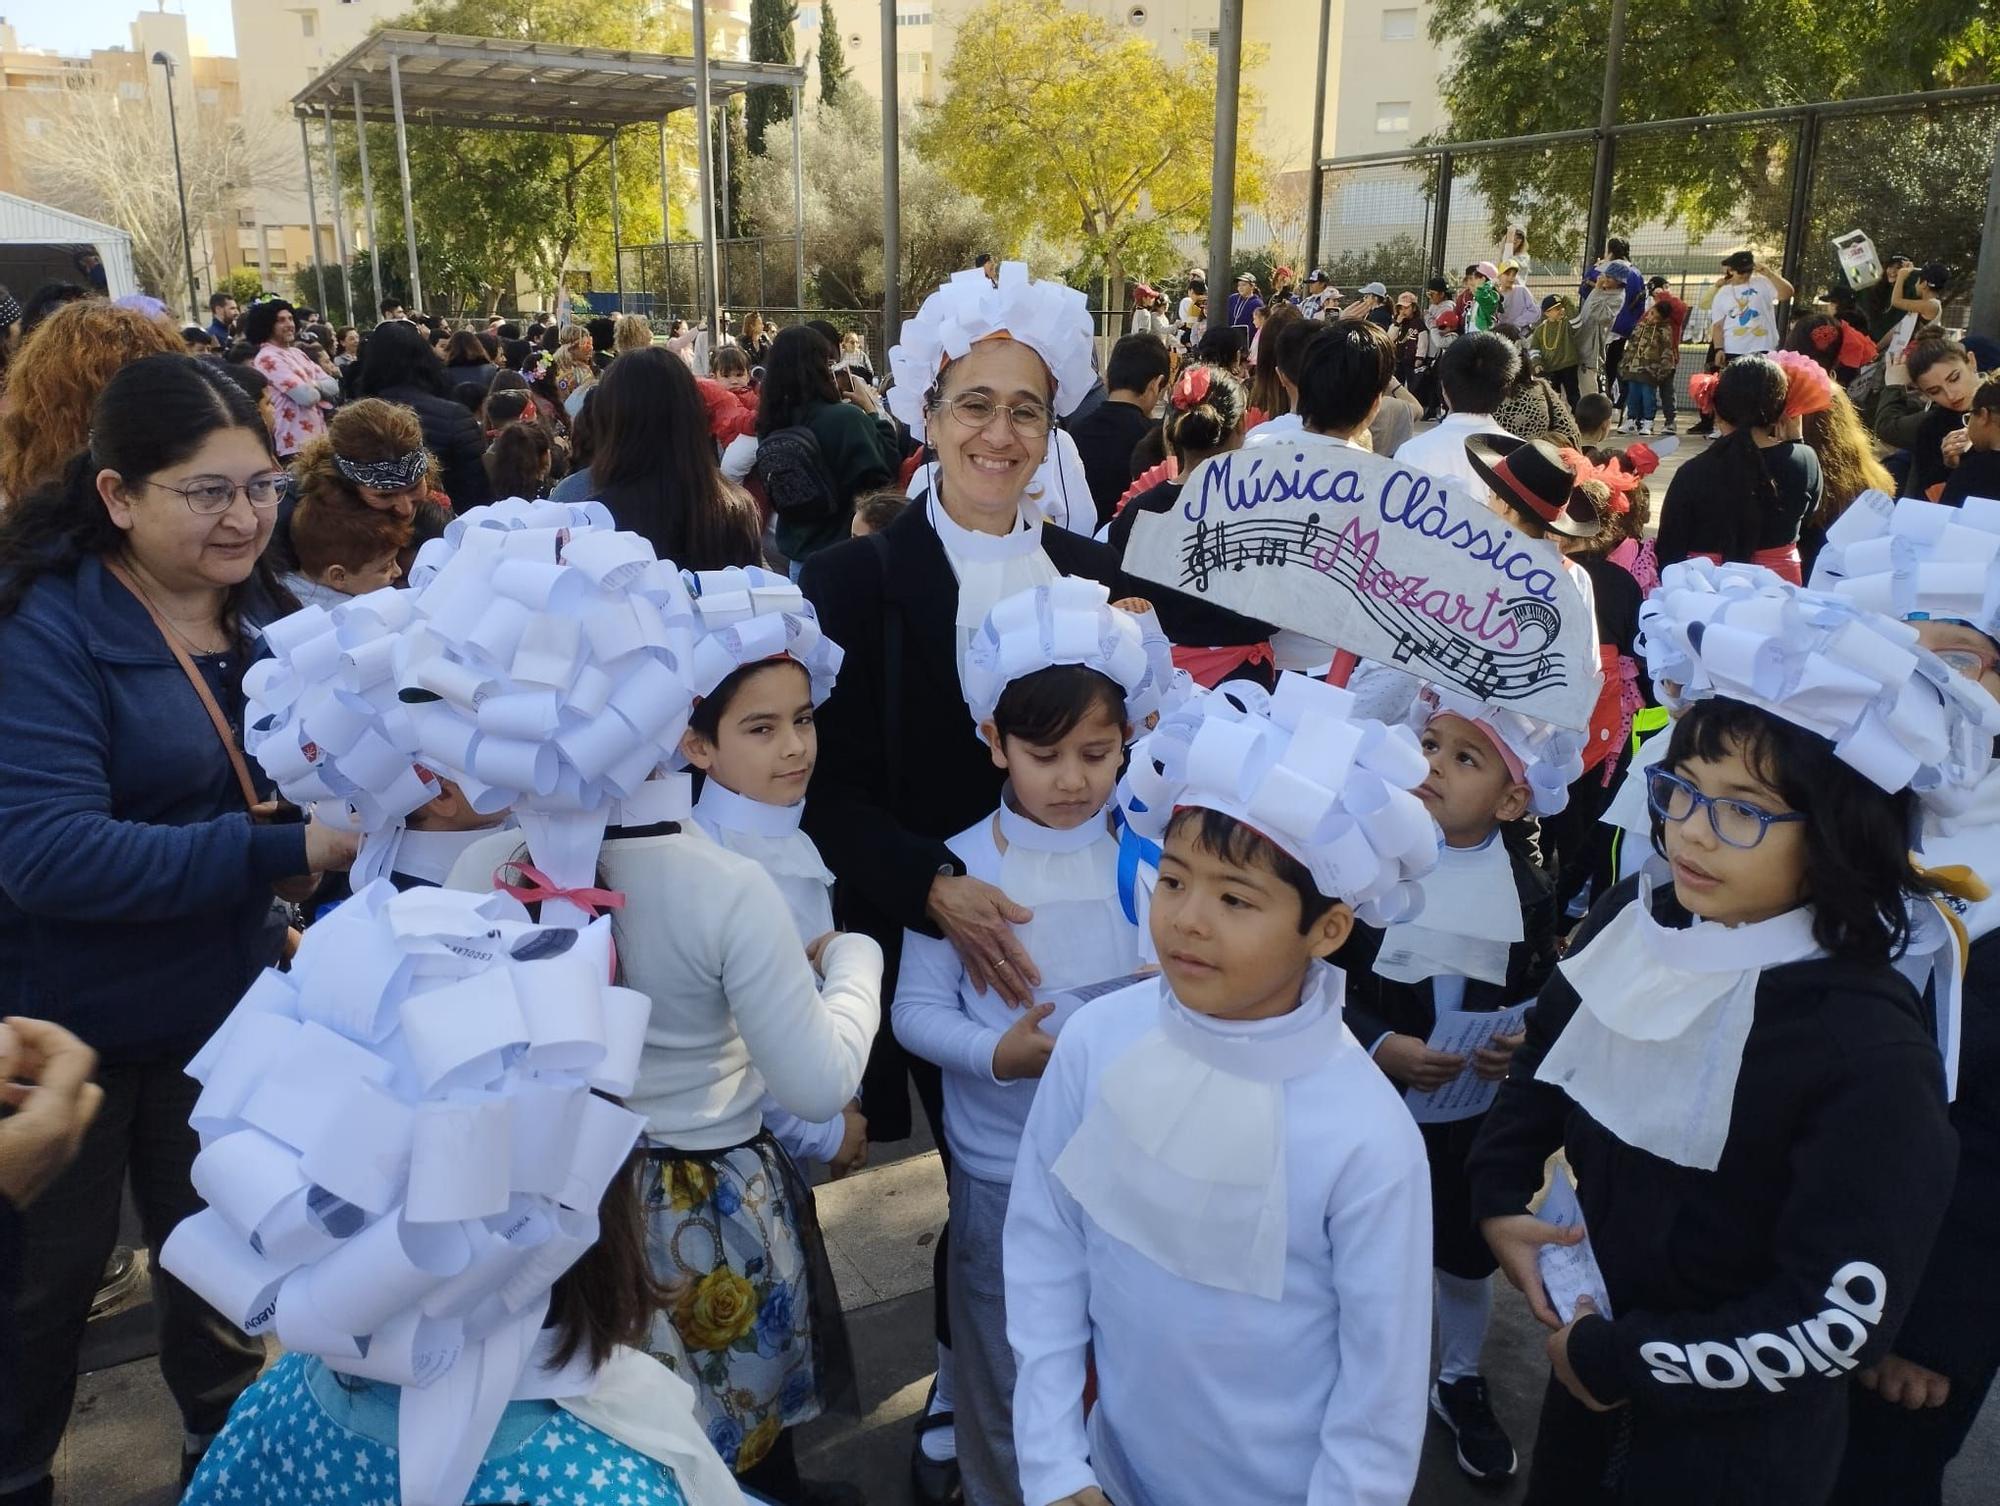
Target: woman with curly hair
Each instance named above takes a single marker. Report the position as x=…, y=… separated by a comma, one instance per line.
x=574, y=367
x=1848, y=466
x=57, y=373
x=300, y=390
x=372, y=455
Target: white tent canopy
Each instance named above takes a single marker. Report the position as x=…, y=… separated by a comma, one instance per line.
x=24, y=223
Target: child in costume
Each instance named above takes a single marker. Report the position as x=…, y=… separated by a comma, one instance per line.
x=760, y=670
x=1484, y=940
x=1056, y=681
x=1218, y=1197
x=1745, y=1086
x=1939, y=569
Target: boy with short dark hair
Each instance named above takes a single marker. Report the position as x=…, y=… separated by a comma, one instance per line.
x=1218, y=1198
x=344, y=551
x=1593, y=417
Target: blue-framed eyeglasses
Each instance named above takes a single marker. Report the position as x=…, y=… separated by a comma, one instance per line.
x=1734, y=822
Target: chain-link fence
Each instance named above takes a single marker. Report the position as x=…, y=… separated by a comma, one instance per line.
x=1910, y=171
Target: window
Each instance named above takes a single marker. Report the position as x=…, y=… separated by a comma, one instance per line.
x=913, y=18
x=308, y=23
x=808, y=18
x=1399, y=24
x=1211, y=39
x=1392, y=116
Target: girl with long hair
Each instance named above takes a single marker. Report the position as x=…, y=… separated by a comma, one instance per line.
x=1267, y=392
x=857, y=444
x=1848, y=466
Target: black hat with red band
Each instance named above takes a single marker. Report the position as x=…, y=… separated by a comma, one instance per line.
x=1532, y=475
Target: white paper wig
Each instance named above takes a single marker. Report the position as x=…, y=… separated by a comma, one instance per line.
x=1909, y=558
x=1330, y=788
x=1051, y=319
x=402, y=1151
x=1069, y=621
x=1893, y=711
x=1551, y=758
x=747, y=614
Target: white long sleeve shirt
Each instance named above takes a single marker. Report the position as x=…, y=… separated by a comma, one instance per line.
x=940, y=1016
x=1207, y=1395
x=1440, y=450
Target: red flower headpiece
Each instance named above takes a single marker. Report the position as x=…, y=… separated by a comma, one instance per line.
x=1191, y=389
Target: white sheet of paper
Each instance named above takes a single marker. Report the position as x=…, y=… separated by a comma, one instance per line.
x=1462, y=1032
x=1568, y=1271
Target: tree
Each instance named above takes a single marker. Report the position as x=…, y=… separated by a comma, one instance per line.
x=832, y=56
x=113, y=160
x=1682, y=58
x=770, y=42
x=1055, y=118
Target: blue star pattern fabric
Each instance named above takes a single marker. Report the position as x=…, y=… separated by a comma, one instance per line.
x=283, y=1446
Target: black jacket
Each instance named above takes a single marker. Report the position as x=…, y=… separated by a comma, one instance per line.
x=10, y=1286
x=1744, y=1297
x=453, y=435
x=1104, y=442
x=1377, y=1006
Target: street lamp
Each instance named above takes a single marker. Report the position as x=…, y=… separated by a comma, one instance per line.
x=166, y=61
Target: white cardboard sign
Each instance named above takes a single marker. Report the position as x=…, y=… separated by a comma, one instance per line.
x=1389, y=562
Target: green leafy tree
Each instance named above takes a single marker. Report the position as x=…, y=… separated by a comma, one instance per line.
x=832, y=59
x=770, y=42
x=1510, y=75
x=1060, y=121
x=243, y=285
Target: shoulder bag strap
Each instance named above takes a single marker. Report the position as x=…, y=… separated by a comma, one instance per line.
x=194, y=677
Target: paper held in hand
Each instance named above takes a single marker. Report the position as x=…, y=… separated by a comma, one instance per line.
x=1386, y=561
x=1568, y=1271
x=1462, y=1032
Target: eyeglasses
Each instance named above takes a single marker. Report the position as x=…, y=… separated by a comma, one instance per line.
x=208, y=498
x=1973, y=663
x=975, y=410
x=1735, y=822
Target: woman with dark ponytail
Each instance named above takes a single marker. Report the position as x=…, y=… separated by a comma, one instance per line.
x=138, y=853
x=1743, y=498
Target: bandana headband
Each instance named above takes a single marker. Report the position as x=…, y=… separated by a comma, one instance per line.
x=384, y=475
x=9, y=309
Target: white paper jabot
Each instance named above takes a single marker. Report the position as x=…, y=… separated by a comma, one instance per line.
x=1654, y=1050
x=403, y=1146
x=990, y=567
x=1330, y=788
x=1906, y=557
x=1471, y=917
x=1893, y=711
x=431, y=855
x=769, y=836
x=1182, y=1153
x=645, y=1406
x=1070, y=621
x=717, y=805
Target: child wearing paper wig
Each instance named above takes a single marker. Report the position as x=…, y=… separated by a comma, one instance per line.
x=1301, y=1299
x=1484, y=940
x=1055, y=680
x=1742, y=1081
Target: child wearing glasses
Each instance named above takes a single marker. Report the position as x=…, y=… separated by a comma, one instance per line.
x=1911, y=1411
x=1746, y=1087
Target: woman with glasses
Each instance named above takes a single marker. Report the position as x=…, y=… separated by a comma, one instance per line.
x=1744, y=1082
x=980, y=373
x=858, y=448
x=138, y=852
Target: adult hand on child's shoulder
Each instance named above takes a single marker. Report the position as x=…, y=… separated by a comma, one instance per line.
x=978, y=920
x=1410, y=1062
x=1516, y=1240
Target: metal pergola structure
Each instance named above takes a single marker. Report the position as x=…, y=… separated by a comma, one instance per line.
x=496, y=84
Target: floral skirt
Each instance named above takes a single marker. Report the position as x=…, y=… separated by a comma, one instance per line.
x=753, y=1319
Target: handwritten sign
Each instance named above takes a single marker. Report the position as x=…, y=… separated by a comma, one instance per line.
x=1386, y=561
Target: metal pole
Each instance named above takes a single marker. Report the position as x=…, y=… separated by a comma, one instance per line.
x=722, y=174
x=798, y=199
x=312, y=214
x=892, y=187
x=180, y=184
x=1793, y=257
x=403, y=173
x=617, y=249
x=1985, y=316
x=339, y=218
x=708, y=265
x=368, y=201
x=1315, y=175
x=1607, y=117
x=1222, y=179
x=664, y=301
x=1441, y=216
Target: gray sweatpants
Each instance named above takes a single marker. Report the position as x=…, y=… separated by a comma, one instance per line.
x=982, y=1364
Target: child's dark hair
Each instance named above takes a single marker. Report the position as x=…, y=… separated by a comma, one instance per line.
x=1202, y=426
x=1244, y=846
x=729, y=360
x=706, y=720
x=1593, y=411
x=878, y=509
x=1986, y=396
x=1043, y=708
x=1859, y=875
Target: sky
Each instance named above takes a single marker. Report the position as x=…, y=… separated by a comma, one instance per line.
x=76, y=26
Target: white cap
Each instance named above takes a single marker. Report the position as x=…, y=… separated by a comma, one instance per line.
x=1893, y=711
x=1330, y=788
x=747, y=614
x=1068, y=621
x=1548, y=760
x=1048, y=317
x=1913, y=559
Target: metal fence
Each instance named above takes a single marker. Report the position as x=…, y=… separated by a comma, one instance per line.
x=1911, y=170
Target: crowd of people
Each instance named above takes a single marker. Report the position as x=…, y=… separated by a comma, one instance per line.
x=437, y=762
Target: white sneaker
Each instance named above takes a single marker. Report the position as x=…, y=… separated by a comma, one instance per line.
x=1646, y=429
x=1627, y=427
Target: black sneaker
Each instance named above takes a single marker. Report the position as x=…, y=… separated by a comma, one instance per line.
x=1484, y=1451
